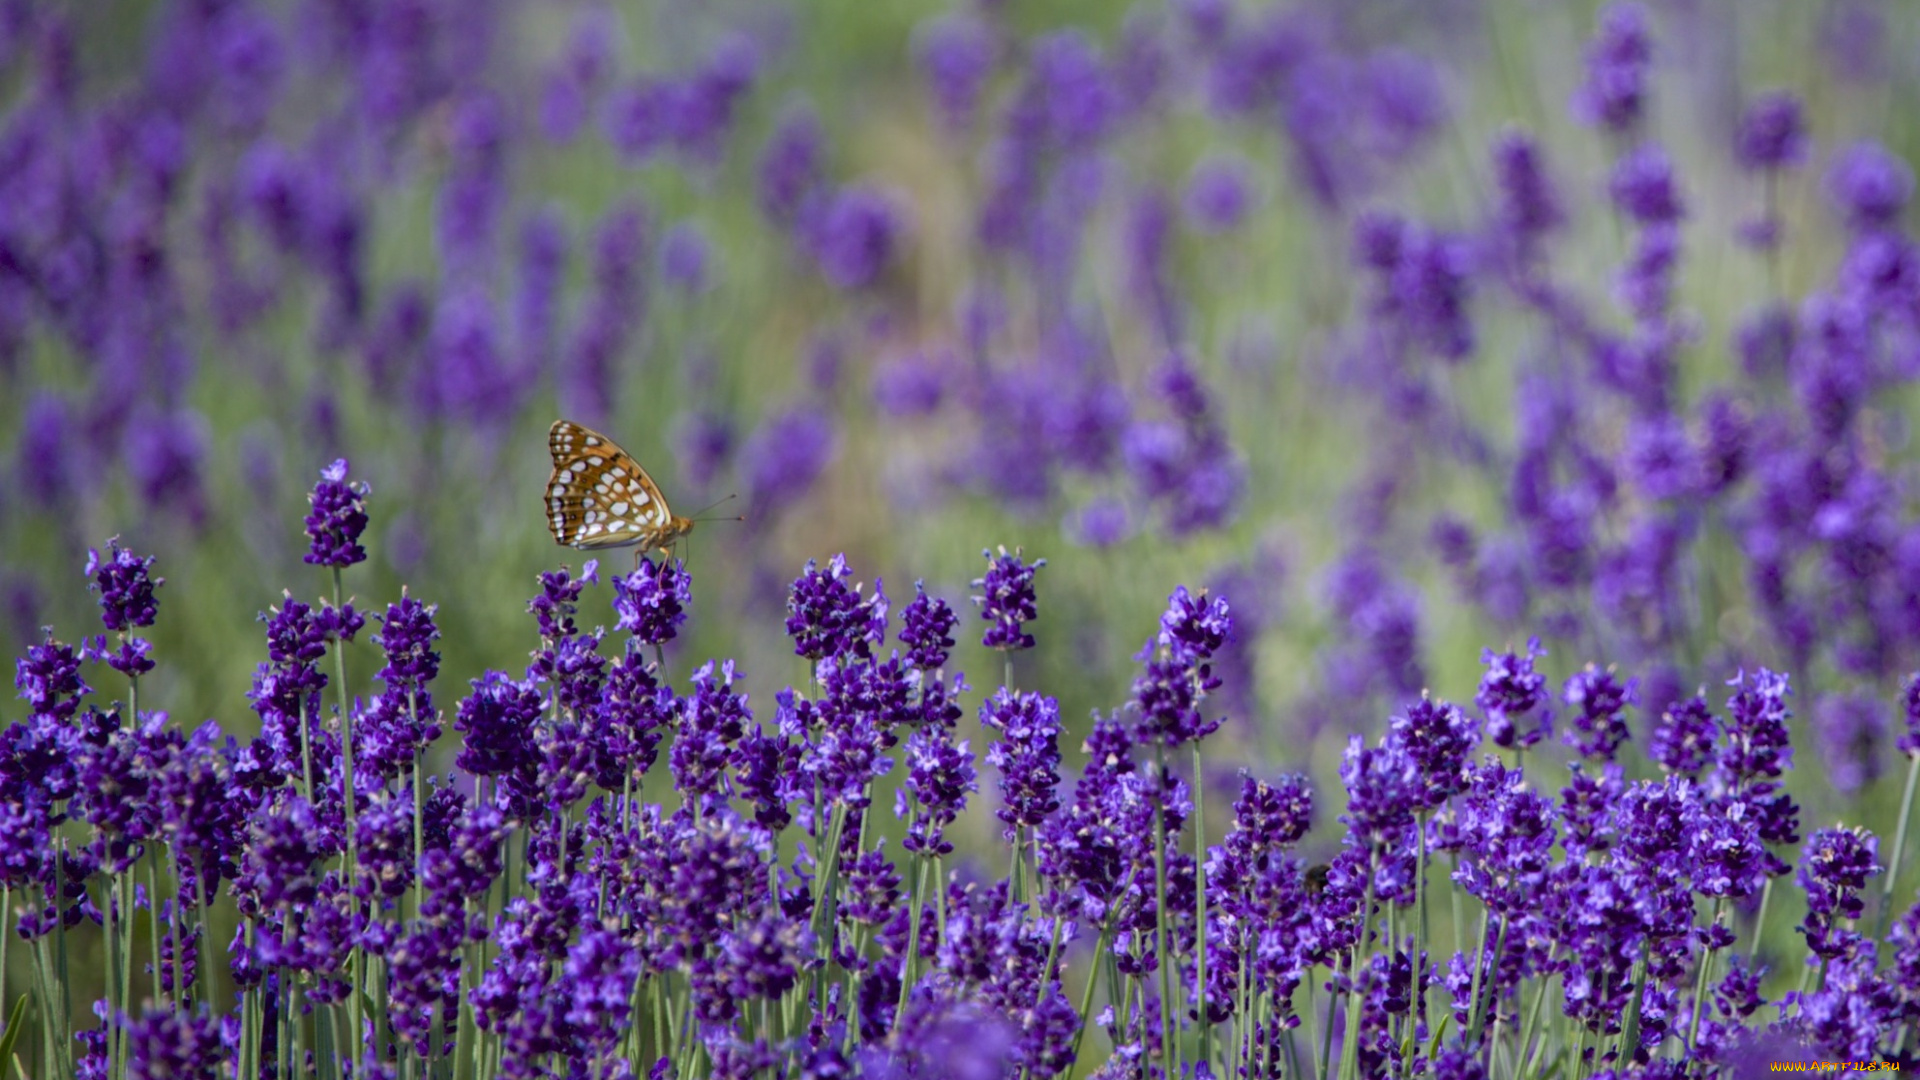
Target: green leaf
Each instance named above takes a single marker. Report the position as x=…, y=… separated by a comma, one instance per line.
x=14, y=1018
x=1439, y=1033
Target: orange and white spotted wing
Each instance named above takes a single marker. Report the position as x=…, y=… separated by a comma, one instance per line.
x=599, y=497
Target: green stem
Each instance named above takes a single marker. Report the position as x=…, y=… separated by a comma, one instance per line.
x=907, y=973
x=6, y=934
x=419, y=838
x=202, y=946
x=60, y=971
x=1899, y=849
x=1326, y=1033
x=1533, y=1015
x=1630, y=1028
x=1200, y=905
x=1701, y=978
x=357, y=970
x=1161, y=943
x=1240, y=1007
x=1760, y=919
x=153, y=922
x=1417, y=1014
x=1350, y=1042
x=829, y=865
x=1493, y=990
x=1085, y=1006
x=116, y=986
x=1479, y=964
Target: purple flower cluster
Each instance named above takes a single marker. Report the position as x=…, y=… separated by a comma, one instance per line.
x=338, y=517
x=609, y=899
x=652, y=601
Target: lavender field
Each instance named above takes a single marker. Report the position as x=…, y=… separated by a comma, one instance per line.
x=1330, y=539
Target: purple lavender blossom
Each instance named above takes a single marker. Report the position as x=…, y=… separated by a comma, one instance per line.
x=1439, y=738
x=1027, y=755
x=166, y=1042
x=1510, y=692
x=1007, y=600
x=1682, y=739
x=926, y=629
x=827, y=617
x=1599, y=726
x=407, y=633
x=1834, y=867
x=711, y=723
x=1506, y=832
x=559, y=599
x=652, y=601
x=125, y=585
x=1755, y=741
x=497, y=721
x=338, y=518
x=1269, y=817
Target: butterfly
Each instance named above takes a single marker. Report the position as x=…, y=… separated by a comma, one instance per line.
x=599, y=497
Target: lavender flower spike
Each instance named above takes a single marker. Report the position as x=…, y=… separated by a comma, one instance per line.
x=125, y=586
x=1007, y=600
x=338, y=518
x=652, y=601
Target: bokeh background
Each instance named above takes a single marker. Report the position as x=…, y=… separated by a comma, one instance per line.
x=1252, y=296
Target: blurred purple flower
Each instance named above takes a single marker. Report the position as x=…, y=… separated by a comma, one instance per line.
x=854, y=236
x=790, y=166
x=1772, y=132
x=1218, y=194
x=1869, y=185
x=783, y=457
x=1613, y=95
x=1851, y=731
x=684, y=258
x=955, y=54
x=911, y=385
x=46, y=467
x=1101, y=523
x=165, y=454
x=1642, y=186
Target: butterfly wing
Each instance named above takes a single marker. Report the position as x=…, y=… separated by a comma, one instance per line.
x=598, y=496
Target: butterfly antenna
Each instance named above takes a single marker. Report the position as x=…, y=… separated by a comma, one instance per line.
x=711, y=505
